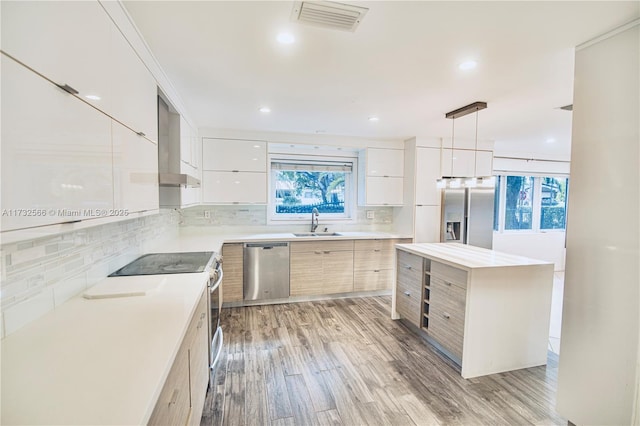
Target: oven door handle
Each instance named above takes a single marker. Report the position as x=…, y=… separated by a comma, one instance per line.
x=218, y=281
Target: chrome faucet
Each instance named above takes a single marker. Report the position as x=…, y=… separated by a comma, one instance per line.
x=314, y=213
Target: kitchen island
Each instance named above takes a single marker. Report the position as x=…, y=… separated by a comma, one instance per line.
x=487, y=311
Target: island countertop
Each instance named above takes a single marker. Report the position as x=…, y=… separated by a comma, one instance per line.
x=468, y=257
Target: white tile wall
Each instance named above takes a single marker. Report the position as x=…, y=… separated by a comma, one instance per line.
x=40, y=274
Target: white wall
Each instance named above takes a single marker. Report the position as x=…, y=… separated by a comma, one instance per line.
x=547, y=246
x=598, y=368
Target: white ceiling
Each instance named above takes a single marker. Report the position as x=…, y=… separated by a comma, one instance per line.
x=399, y=65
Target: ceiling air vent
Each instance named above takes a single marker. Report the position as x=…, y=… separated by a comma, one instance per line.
x=328, y=14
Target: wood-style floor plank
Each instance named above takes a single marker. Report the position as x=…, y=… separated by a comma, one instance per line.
x=345, y=362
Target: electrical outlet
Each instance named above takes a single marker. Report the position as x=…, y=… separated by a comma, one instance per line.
x=371, y=214
x=207, y=214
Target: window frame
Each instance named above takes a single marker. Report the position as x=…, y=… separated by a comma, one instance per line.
x=350, y=199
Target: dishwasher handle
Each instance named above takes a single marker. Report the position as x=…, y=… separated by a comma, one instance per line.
x=266, y=246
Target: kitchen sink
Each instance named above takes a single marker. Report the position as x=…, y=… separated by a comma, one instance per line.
x=318, y=234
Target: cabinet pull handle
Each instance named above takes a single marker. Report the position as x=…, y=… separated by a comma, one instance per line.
x=68, y=89
x=376, y=250
x=376, y=270
x=446, y=315
x=447, y=283
x=406, y=293
x=235, y=171
x=317, y=252
x=327, y=252
x=406, y=266
x=174, y=396
x=202, y=315
x=141, y=134
x=199, y=325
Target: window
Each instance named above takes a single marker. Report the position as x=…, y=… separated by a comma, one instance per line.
x=530, y=203
x=300, y=185
x=519, y=202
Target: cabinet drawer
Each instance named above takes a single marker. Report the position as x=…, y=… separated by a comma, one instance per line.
x=447, y=314
x=408, y=305
x=372, y=260
x=410, y=267
x=379, y=244
x=449, y=274
x=198, y=321
x=321, y=246
x=377, y=279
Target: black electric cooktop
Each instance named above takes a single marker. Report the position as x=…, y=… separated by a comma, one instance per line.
x=167, y=263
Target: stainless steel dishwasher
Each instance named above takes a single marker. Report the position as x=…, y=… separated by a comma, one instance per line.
x=266, y=270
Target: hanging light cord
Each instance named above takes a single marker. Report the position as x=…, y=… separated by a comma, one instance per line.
x=475, y=154
x=453, y=129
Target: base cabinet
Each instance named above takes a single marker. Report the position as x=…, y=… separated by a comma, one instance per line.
x=373, y=267
x=182, y=397
x=410, y=271
x=232, y=282
x=322, y=267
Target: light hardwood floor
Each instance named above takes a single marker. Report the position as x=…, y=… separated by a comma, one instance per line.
x=346, y=362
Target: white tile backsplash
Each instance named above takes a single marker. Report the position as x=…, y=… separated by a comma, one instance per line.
x=40, y=274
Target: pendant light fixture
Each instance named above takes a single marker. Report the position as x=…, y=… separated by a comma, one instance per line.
x=453, y=181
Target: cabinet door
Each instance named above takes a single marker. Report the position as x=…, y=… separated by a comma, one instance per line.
x=134, y=90
x=305, y=273
x=463, y=163
x=427, y=172
x=185, y=142
x=446, y=315
x=337, y=272
x=230, y=155
x=376, y=279
x=427, y=224
x=199, y=360
x=233, y=263
x=67, y=42
x=384, y=191
x=234, y=187
x=135, y=164
x=173, y=404
x=55, y=148
x=484, y=163
x=409, y=281
x=385, y=162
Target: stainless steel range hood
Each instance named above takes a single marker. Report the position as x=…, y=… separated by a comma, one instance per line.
x=169, y=149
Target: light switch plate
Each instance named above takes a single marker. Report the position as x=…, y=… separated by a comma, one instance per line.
x=207, y=214
x=371, y=214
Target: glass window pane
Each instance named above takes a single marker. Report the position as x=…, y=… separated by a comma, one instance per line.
x=299, y=192
x=553, y=203
x=519, y=202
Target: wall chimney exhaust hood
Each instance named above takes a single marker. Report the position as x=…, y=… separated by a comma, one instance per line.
x=169, y=149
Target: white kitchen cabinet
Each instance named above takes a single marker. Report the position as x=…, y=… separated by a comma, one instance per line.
x=188, y=145
x=135, y=167
x=67, y=42
x=380, y=177
x=384, y=191
x=56, y=152
x=133, y=89
x=76, y=44
x=234, y=187
x=384, y=162
x=234, y=155
x=427, y=224
x=484, y=163
x=427, y=172
x=467, y=163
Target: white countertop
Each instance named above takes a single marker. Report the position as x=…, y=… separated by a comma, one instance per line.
x=468, y=257
x=105, y=360
x=99, y=361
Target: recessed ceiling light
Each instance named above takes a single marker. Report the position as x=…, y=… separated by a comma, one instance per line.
x=468, y=65
x=286, y=38
x=551, y=140
x=256, y=146
x=265, y=109
x=374, y=119
x=93, y=97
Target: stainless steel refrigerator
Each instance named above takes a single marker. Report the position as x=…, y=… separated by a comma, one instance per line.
x=467, y=216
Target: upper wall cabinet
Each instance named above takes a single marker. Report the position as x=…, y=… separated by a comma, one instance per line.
x=67, y=42
x=467, y=163
x=380, y=177
x=234, y=155
x=56, y=153
x=76, y=44
x=135, y=168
